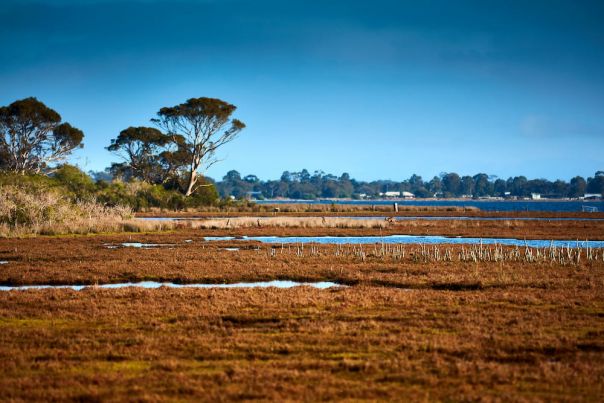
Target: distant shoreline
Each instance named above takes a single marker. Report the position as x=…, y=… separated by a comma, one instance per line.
x=268, y=201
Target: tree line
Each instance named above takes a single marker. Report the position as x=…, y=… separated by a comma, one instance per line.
x=34, y=140
x=164, y=165
x=304, y=185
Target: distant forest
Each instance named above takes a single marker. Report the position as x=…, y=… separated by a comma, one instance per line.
x=304, y=185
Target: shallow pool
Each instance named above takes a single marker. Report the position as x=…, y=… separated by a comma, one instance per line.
x=398, y=218
x=154, y=284
x=414, y=239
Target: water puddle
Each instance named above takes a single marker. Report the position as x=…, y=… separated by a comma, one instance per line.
x=3, y=262
x=416, y=239
x=153, y=284
x=231, y=249
x=143, y=245
x=164, y=218
x=138, y=245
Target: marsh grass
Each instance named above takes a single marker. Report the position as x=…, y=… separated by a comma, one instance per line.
x=355, y=343
x=288, y=222
x=251, y=207
x=411, y=324
x=44, y=211
x=351, y=208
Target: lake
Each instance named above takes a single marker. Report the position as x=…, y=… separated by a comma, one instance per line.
x=484, y=205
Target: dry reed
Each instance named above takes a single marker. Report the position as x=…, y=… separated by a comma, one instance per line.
x=46, y=212
x=345, y=208
x=288, y=222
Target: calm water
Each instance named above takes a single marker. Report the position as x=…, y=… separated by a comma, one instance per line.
x=153, y=284
x=140, y=245
x=429, y=218
x=464, y=218
x=413, y=239
x=485, y=205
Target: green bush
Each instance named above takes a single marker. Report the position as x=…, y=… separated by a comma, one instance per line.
x=78, y=183
x=71, y=183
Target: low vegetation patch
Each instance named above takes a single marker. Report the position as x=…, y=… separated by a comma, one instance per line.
x=289, y=222
x=42, y=210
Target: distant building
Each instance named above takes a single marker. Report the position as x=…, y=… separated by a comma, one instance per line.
x=535, y=196
x=391, y=194
x=592, y=196
x=407, y=195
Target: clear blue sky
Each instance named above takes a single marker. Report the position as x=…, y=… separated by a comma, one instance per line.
x=379, y=89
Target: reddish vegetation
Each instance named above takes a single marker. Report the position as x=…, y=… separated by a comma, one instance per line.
x=593, y=230
x=327, y=210
x=87, y=260
x=406, y=328
x=303, y=344
x=570, y=230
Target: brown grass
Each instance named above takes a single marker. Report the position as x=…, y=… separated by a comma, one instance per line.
x=308, y=226
x=303, y=344
x=287, y=222
x=25, y=212
x=321, y=226
x=406, y=328
x=312, y=210
x=349, y=208
x=87, y=260
x=285, y=208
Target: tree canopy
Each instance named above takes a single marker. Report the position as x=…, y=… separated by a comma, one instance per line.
x=204, y=124
x=148, y=154
x=32, y=137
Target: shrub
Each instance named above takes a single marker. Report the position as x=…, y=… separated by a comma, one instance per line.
x=38, y=209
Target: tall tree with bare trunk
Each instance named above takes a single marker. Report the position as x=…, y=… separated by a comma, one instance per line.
x=205, y=124
x=32, y=137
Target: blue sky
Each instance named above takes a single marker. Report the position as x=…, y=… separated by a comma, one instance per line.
x=379, y=89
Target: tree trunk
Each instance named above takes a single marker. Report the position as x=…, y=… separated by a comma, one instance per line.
x=192, y=181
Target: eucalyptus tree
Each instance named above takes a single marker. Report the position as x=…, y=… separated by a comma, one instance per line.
x=32, y=137
x=148, y=154
x=204, y=124
x=577, y=187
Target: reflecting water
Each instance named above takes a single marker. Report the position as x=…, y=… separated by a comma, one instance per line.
x=399, y=218
x=465, y=218
x=153, y=284
x=164, y=218
x=3, y=262
x=137, y=245
x=415, y=239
